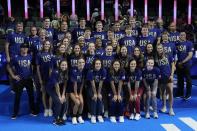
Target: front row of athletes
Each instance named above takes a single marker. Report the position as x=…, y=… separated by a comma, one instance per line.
x=63, y=82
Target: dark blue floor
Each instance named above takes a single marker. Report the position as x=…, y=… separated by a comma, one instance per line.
x=26, y=122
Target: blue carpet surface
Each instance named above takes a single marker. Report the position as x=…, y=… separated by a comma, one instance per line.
x=28, y=123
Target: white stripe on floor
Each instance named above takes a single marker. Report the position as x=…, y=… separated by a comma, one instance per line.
x=170, y=127
x=190, y=122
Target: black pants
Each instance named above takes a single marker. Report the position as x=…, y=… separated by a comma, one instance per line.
x=96, y=106
x=105, y=95
x=59, y=108
x=181, y=74
x=28, y=83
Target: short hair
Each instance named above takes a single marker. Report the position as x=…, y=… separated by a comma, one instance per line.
x=19, y=23
x=88, y=28
x=82, y=18
x=46, y=18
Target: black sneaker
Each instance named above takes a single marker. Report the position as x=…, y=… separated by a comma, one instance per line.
x=34, y=113
x=62, y=122
x=14, y=116
x=57, y=122
x=179, y=96
x=187, y=97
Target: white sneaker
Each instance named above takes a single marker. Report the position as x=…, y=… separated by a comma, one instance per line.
x=131, y=116
x=89, y=115
x=74, y=120
x=121, y=119
x=80, y=120
x=147, y=116
x=46, y=112
x=100, y=119
x=113, y=119
x=106, y=114
x=64, y=117
x=171, y=112
x=93, y=119
x=137, y=117
x=50, y=112
x=155, y=115
x=163, y=110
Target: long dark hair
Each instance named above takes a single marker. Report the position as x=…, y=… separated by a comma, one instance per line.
x=63, y=74
x=128, y=68
x=58, y=53
x=112, y=71
x=140, y=59
x=50, y=50
x=93, y=64
x=73, y=53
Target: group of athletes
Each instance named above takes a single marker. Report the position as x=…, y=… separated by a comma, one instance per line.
x=97, y=73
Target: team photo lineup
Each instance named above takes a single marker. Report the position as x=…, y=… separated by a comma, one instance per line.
x=94, y=72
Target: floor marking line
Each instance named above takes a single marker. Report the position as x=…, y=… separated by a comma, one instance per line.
x=190, y=122
x=170, y=127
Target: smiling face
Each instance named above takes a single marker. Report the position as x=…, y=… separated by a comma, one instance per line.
x=81, y=64
x=69, y=36
x=97, y=65
x=19, y=27
x=109, y=50
x=33, y=31
x=91, y=47
x=160, y=49
x=63, y=65
x=123, y=51
x=82, y=23
x=47, y=23
x=62, y=49
x=182, y=36
x=110, y=34
x=77, y=49
x=150, y=64
x=87, y=33
x=64, y=26
x=42, y=33
x=136, y=52
x=116, y=65
x=165, y=37
x=46, y=45
x=149, y=48
x=144, y=31
x=117, y=26
x=132, y=22
x=65, y=41
x=133, y=65
x=99, y=26
x=98, y=42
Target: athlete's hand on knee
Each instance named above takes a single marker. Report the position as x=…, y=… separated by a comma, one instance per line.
x=115, y=98
x=99, y=96
x=16, y=77
x=131, y=98
x=135, y=97
x=94, y=97
x=119, y=98
x=63, y=98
